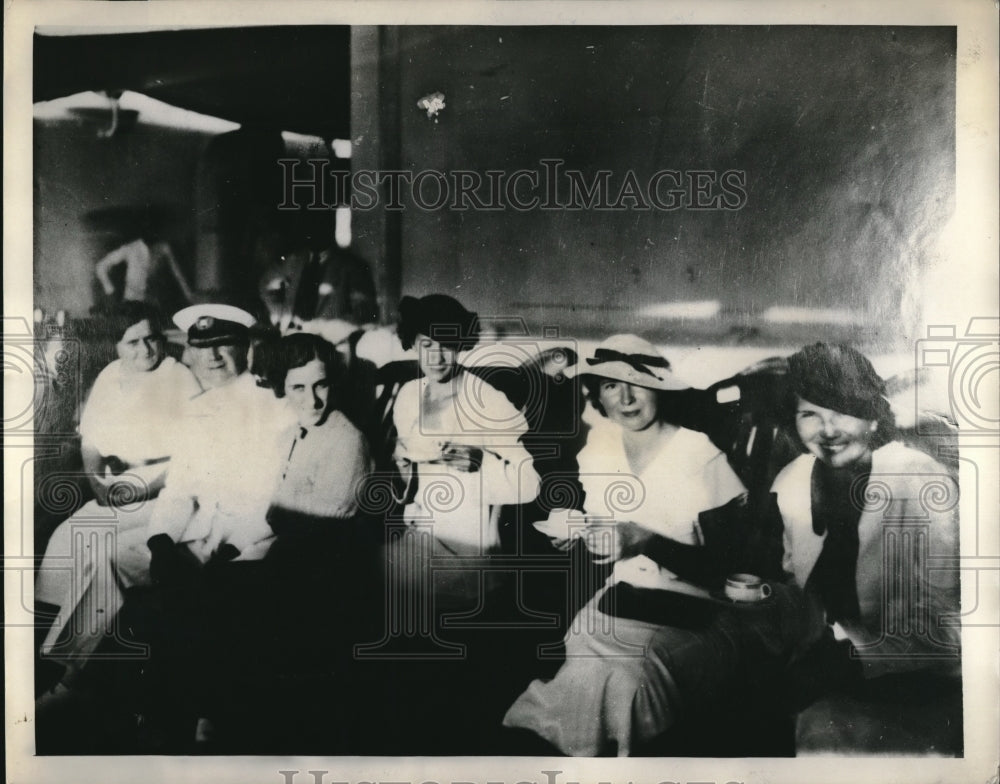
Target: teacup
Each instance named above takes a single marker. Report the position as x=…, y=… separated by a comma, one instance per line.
x=746, y=588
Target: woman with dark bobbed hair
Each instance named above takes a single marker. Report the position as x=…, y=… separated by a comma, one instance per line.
x=871, y=538
x=458, y=446
x=328, y=457
x=303, y=601
x=325, y=546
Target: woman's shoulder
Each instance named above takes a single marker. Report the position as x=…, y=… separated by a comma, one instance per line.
x=340, y=425
x=407, y=401
x=696, y=446
x=475, y=387
x=172, y=371
x=104, y=395
x=483, y=408
x=410, y=387
x=911, y=473
x=603, y=446
x=791, y=475
x=897, y=456
x=340, y=442
x=409, y=391
x=109, y=374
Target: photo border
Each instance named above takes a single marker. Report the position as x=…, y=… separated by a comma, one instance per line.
x=976, y=209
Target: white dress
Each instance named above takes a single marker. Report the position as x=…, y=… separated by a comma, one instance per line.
x=463, y=507
x=689, y=475
x=453, y=517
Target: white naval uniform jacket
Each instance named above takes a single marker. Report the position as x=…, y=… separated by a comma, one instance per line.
x=226, y=464
x=907, y=573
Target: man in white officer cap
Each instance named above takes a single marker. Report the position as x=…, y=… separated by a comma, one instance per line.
x=217, y=492
x=218, y=338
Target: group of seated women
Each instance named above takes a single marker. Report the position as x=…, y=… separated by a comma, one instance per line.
x=864, y=599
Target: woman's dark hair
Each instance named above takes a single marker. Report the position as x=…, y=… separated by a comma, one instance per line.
x=884, y=432
x=126, y=314
x=669, y=403
x=441, y=318
x=297, y=350
x=840, y=378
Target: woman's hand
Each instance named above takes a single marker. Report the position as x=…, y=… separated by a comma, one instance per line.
x=614, y=541
x=100, y=488
x=630, y=538
x=467, y=459
x=116, y=482
x=123, y=490
x=93, y=464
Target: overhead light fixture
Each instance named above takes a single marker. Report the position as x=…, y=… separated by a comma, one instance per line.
x=131, y=106
x=114, y=97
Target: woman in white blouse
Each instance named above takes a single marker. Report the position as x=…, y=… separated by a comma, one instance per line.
x=645, y=479
x=458, y=450
x=126, y=439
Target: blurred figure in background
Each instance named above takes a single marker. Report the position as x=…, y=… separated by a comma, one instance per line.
x=307, y=278
x=148, y=260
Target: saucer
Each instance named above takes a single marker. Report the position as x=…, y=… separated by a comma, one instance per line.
x=562, y=524
x=719, y=595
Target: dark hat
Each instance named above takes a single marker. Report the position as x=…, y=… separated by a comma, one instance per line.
x=840, y=378
x=214, y=325
x=439, y=317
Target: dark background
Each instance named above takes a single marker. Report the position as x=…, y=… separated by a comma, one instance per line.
x=846, y=135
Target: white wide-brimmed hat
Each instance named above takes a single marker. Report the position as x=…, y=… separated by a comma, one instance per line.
x=633, y=360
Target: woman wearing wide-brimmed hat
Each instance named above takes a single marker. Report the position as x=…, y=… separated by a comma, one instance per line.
x=458, y=450
x=646, y=480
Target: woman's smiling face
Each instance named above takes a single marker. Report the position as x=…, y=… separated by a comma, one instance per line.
x=632, y=407
x=839, y=440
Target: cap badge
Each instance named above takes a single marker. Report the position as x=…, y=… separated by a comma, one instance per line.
x=204, y=322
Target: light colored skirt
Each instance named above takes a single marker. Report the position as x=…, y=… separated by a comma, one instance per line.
x=624, y=682
x=90, y=560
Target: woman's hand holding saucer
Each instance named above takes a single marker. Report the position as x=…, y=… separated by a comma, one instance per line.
x=613, y=541
x=562, y=526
